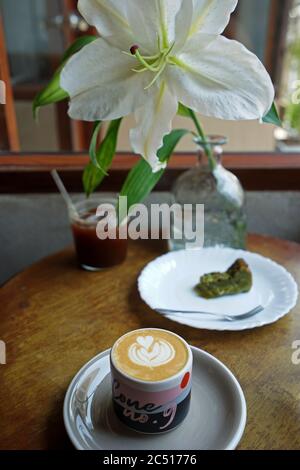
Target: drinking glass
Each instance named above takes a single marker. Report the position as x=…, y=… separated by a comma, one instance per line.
x=93, y=253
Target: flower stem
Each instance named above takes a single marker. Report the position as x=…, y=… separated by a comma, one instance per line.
x=207, y=148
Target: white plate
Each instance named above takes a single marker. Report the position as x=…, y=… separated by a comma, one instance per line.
x=168, y=282
x=216, y=419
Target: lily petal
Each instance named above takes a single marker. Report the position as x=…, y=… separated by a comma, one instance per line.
x=154, y=122
x=101, y=84
x=110, y=20
x=183, y=24
x=153, y=18
x=212, y=16
x=223, y=80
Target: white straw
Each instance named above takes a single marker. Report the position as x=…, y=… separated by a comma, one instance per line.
x=61, y=187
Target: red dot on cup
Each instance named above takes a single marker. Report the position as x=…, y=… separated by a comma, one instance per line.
x=185, y=380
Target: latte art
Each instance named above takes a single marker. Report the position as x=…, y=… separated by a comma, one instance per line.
x=148, y=352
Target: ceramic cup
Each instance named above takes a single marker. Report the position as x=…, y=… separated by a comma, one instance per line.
x=152, y=407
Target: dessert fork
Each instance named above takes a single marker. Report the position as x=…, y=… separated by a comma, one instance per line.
x=216, y=316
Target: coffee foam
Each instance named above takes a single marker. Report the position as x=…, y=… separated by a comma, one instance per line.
x=146, y=351
x=150, y=355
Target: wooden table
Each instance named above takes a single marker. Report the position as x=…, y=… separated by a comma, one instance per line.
x=55, y=317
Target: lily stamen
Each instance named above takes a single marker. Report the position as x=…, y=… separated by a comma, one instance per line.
x=155, y=63
x=144, y=62
x=156, y=76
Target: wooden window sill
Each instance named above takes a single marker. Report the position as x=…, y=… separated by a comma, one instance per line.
x=30, y=172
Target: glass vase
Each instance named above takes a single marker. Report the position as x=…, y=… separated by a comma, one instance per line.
x=221, y=193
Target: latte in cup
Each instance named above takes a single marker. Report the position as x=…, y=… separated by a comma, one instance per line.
x=150, y=355
x=151, y=371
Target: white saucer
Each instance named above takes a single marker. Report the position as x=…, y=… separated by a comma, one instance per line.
x=168, y=282
x=216, y=419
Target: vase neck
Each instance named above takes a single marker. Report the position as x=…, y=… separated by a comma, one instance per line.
x=214, y=146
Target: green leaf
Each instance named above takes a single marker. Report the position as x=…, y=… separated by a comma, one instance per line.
x=96, y=171
x=107, y=149
x=53, y=93
x=78, y=45
x=94, y=142
x=183, y=111
x=141, y=180
x=92, y=178
x=170, y=143
x=272, y=117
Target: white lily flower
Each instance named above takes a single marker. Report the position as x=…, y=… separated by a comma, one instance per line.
x=154, y=54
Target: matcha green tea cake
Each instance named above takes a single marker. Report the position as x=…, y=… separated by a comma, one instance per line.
x=236, y=280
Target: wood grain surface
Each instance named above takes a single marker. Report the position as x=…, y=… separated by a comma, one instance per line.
x=55, y=317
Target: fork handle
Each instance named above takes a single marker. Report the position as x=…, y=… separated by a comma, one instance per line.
x=189, y=312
